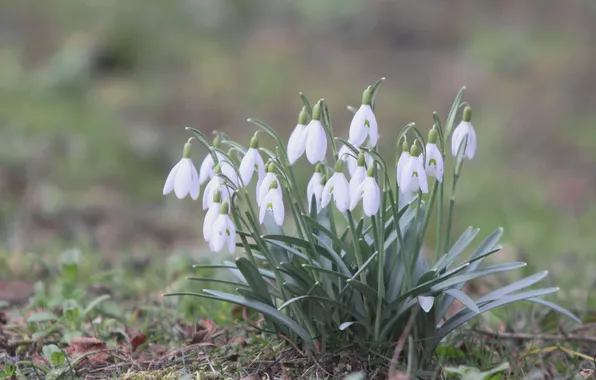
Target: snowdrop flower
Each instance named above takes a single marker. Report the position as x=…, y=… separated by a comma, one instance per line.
x=338, y=187
x=206, y=171
x=251, y=162
x=404, y=157
x=183, y=177
x=364, y=122
x=426, y=303
x=370, y=194
x=351, y=161
x=217, y=182
x=316, y=140
x=223, y=234
x=211, y=215
x=315, y=188
x=297, y=141
x=356, y=179
x=434, y=158
x=265, y=184
x=413, y=176
x=464, y=134
x=274, y=204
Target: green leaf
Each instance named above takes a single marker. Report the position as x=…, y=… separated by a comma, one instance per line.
x=374, y=92
x=336, y=241
x=479, y=273
x=306, y=103
x=291, y=250
x=556, y=308
x=326, y=301
x=41, y=317
x=254, y=279
x=514, y=287
x=93, y=304
x=464, y=299
x=298, y=274
x=453, y=112
x=266, y=310
x=365, y=290
x=464, y=240
x=54, y=355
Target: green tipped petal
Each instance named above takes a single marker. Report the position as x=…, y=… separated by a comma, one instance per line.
x=370, y=171
x=217, y=169
x=273, y=185
x=217, y=196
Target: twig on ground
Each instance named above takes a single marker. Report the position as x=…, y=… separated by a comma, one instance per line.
x=292, y=344
x=401, y=342
x=551, y=337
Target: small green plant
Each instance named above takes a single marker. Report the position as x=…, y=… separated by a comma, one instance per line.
x=347, y=276
x=472, y=373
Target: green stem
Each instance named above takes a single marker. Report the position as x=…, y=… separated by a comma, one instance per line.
x=450, y=213
x=416, y=252
x=355, y=241
x=427, y=215
x=380, y=277
x=438, y=245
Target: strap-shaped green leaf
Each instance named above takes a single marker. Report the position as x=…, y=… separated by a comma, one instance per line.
x=464, y=299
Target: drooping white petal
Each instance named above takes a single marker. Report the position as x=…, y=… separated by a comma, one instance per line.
x=357, y=178
x=206, y=170
x=230, y=234
x=210, y=218
x=371, y=196
x=218, y=235
x=195, y=186
x=251, y=162
x=464, y=133
x=214, y=184
x=273, y=203
x=364, y=123
x=426, y=303
x=404, y=157
x=228, y=170
x=315, y=188
x=413, y=176
x=297, y=143
x=434, y=162
x=169, y=185
x=185, y=181
x=316, y=142
x=338, y=188
x=264, y=187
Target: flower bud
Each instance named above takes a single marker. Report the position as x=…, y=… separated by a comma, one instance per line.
x=319, y=168
x=433, y=136
x=339, y=166
x=217, y=141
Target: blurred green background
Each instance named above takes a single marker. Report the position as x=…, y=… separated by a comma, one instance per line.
x=94, y=96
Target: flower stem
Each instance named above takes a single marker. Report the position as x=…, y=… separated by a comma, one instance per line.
x=450, y=213
x=438, y=245
x=380, y=277
x=427, y=215
x=355, y=241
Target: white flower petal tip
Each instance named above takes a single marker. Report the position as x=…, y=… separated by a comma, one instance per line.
x=426, y=303
x=251, y=162
x=401, y=164
x=434, y=162
x=223, y=234
x=272, y=203
x=363, y=125
x=464, y=136
x=183, y=179
x=210, y=218
x=413, y=176
x=264, y=186
x=337, y=188
x=316, y=142
x=357, y=178
x=297, y=143
x=314, y=190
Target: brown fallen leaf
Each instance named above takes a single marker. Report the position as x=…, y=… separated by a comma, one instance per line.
x=136, y=340
x=82, y=345
x=15, y=291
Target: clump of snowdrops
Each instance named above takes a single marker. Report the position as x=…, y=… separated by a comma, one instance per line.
x=351, y=269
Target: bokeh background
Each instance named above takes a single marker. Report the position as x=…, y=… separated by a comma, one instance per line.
x=95, y=95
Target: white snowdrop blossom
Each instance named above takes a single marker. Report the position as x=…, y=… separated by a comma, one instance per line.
x=426, y=303
x=464, y=134
x=265, y=184
x=252, y=162
x=404, y=157
x=316, y=140
x=338, y=188
x=206, y=171
x=211, y=215
x=297, y=141
x=364, y=123
x=369, y=192
x=413, y=176
x=217, y=182
x=351, y=160
x=272, y=203
x=223, y=233
x=356, y=180
x=183, y=177
x=434, y=158
x=315, y=188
